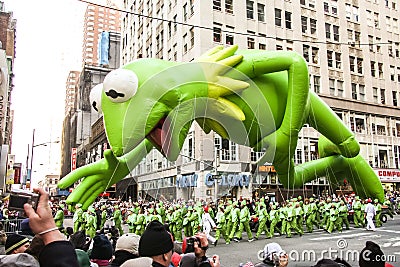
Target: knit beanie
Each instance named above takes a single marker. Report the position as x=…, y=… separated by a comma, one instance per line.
x=155, y=240
x=371, y=255
x=128, y=242
x=14, y=241
x=102, y=248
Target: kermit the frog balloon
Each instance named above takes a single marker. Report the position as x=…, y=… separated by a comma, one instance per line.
x=260, y=99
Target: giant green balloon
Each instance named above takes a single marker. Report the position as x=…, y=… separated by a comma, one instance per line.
x=260, y=99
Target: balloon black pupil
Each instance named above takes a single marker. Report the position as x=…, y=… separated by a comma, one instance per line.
x=114, y=94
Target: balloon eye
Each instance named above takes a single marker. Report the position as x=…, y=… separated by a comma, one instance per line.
x=120, y=85
x=95, y=97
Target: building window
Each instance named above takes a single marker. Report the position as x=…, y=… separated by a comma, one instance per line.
x=383, y=97
x=314, y=54
x=378, y=45
x=229, y=6
x=306, y=52
x=335, y=33
x=278, y=17
x=392, y=73
x=398, y=74
x=249, y=9
x=371, y=41
x=331, y=86
x=184, y=12
x=250, y=43
x=361, y=91
x=217, y=5
x=373, y=72
x=261, y=12
x=338, y=60
x=304, y=24
x=375, y=94
x=394, y=96
x=354, y=91
x=380, y=70
x=328, y=31
x=359, y=65
x=317, y=86
x=229, y=39
x=313, y=26
x=352, y=63
x=191, y=31
x=330, y=58
x=376, y=20
x=288, y=20
x=226, y=149
x=217, y=35
x=262, y=46
x=340, y=88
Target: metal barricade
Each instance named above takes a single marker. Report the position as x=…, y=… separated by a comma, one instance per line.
x=11, y=225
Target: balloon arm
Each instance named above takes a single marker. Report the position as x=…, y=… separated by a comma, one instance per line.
x=100, y=175
x=265, y=62
x=134, y=157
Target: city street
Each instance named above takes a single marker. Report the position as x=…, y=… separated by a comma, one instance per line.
x=306, y=250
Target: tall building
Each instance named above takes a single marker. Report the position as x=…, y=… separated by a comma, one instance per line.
x=72, y=85
x=98, y=19
x=7, y=47
x=84, y=138
x=7, y=55
x=352, y=51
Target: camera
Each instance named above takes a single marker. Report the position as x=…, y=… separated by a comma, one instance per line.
x=19, y=197
x=275, y=259
x=188, y=244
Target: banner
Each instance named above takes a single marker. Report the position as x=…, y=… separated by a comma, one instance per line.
x=10, y=176
x=17, y=173
x=73, y=158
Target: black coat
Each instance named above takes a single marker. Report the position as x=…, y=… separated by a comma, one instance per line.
x=58, y=254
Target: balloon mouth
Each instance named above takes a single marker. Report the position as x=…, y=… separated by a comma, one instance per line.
x=157, y=135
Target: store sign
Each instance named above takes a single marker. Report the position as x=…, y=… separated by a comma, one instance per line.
x=388, y=175
x=73, y=158
x=234, y=179
x=187, y=180
x=266, y=168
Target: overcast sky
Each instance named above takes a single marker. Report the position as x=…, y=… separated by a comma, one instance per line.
x=48, y=45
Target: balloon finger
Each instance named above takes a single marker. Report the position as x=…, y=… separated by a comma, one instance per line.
x=85, y=185
x=225, y=53
x=79, y=173
x=91, y=198
x=88, y=193
x=231, y=62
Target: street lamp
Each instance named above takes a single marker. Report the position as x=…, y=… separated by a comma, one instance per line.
x=29, y=171
x=216, y=177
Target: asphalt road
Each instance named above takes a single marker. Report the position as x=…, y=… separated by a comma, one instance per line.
x=309, y=248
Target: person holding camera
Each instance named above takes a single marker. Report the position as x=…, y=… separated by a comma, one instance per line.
x=195, y=253
x=57, y=251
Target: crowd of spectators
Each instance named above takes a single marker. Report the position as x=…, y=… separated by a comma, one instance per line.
x=42, y=243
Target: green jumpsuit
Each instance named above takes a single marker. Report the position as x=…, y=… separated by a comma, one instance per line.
x=263, y=218
x=244, y=219
x=378, y=209
x=118, y=220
